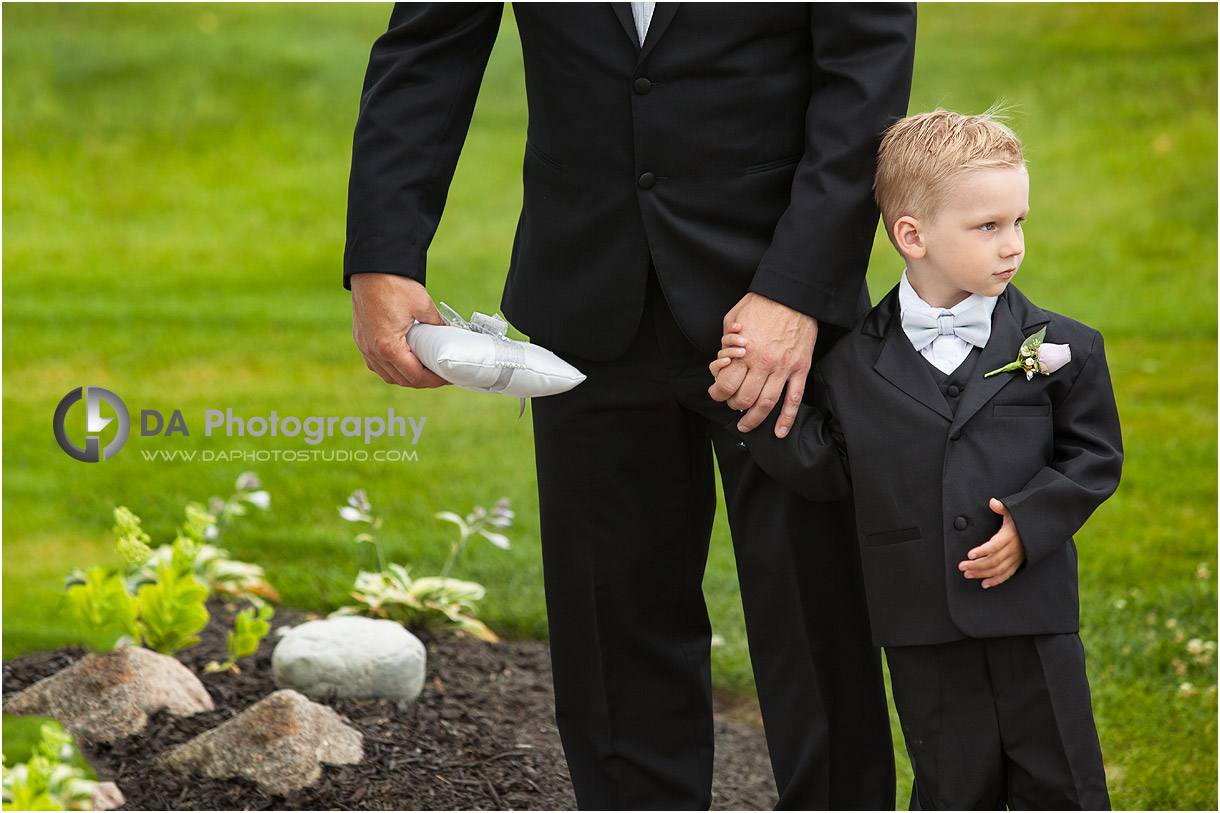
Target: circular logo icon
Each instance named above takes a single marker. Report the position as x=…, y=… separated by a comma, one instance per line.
x=94, y=424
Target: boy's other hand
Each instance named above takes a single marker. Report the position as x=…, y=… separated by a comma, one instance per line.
x=998, y=558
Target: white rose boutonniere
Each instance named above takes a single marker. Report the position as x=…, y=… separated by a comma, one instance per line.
x=1037, y=356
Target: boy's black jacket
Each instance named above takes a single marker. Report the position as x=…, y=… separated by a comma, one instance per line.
x=1050, y=449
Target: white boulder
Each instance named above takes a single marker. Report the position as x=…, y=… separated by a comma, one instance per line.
x=351, y=656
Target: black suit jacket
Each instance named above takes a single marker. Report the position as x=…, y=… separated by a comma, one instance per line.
x=1050, y=449
x=735, y=149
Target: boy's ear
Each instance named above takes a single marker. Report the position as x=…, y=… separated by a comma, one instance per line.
x=908, y=237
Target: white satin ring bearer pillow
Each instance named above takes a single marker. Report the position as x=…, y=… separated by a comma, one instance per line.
x=478, y=355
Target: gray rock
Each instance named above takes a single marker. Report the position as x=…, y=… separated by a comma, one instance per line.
x=278, y=743
x=353, y=657
x=103, y=697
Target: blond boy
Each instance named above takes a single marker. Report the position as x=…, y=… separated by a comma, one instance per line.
x=977, y=432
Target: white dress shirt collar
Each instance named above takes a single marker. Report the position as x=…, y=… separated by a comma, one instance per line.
x=945, y=353
x=908, y=299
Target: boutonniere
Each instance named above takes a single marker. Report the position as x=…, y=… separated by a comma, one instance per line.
x=1037, y=356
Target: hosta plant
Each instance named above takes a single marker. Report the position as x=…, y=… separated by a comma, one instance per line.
x=438, y=603
x=430, y=603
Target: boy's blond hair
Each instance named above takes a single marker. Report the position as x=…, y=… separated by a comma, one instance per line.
x=922, y=155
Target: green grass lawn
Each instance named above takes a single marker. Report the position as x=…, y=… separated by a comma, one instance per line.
x=174, y=192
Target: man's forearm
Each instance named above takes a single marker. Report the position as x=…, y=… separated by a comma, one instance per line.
x=419, y=93
x=862, y=61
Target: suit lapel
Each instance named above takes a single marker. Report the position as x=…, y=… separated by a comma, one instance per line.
x=625, y=18
x=1015, y=317
x=898, y=363
x=662, y=15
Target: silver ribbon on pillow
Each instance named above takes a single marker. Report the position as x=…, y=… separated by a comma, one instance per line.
x=510, y=355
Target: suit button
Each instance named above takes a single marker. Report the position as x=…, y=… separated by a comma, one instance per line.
x=956, y=435
x=641, y=86
x=960, y=523
x=647, y=180
x=954, y=390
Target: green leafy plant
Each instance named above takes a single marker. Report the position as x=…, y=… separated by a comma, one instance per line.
x=222, y=575
x=48, y=781
x=159, y=600
x=437, y=603
x=359, y=509
x=214, y=566
x=172, y=609
x=172, y=605
x=248, y=631
x=248, y=492
x=168, y=606
x=100, y=604
x=477, y=522
x=131, y=542
x=430, y=603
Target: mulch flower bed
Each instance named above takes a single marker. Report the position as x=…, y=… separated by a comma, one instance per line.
x=481, y=736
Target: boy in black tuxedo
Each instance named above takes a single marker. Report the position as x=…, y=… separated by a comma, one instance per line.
x=978, y=433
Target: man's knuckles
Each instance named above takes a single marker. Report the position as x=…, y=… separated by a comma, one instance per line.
x=768, y=359
x=766, y=401
x=389, y=346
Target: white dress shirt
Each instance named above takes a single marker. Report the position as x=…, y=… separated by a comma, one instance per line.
x=945, y=353
x=642, y=14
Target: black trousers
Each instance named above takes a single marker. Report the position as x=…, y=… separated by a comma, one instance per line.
x=999, y=722
x=627, y=497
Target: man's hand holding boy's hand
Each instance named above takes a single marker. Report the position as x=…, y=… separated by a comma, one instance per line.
x=783, y=342
x=731, y=371
x=999, y=557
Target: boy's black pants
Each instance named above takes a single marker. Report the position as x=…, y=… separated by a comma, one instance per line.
x=999, y=722
x=626, y=497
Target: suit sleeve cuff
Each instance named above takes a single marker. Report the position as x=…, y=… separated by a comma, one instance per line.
x=834, y=307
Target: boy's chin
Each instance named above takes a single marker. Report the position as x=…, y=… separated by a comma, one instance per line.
x=994, y=288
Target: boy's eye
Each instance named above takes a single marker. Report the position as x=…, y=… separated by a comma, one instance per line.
x=988, y=227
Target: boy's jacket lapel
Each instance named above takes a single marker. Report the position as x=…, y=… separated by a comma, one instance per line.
x=898, y=362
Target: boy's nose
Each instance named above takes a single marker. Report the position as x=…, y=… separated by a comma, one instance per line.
x=1013, y=246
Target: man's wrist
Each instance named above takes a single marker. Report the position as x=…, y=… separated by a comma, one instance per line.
x=809, y=299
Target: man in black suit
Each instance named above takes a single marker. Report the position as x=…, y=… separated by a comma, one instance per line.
x=685, y=165
x=977, y=432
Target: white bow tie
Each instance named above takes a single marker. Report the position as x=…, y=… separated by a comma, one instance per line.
x=924, y=325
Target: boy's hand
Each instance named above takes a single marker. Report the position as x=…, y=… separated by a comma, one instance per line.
x=998, y=558
x=732, y=346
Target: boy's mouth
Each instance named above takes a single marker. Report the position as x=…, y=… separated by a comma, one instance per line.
x=1006, y=274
